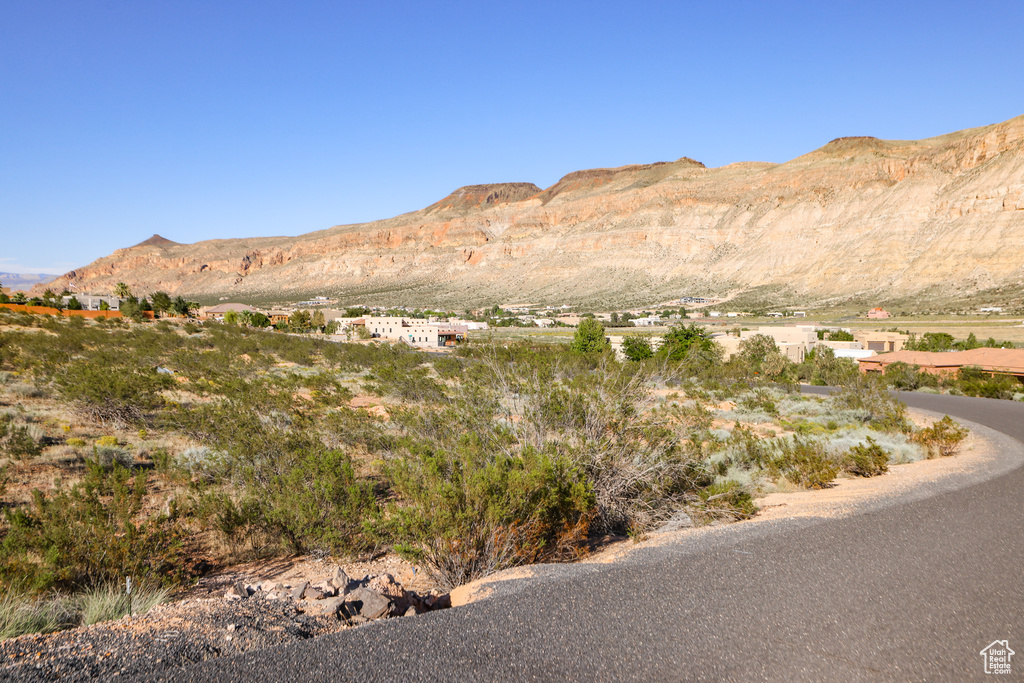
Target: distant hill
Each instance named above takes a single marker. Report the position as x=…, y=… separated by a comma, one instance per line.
x=22, y=282
x=859, y=219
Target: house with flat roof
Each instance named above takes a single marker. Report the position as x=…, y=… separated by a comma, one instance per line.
x=415, y=332
x=882, y=342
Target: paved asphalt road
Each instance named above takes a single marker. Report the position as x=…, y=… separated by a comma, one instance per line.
x=907, y=590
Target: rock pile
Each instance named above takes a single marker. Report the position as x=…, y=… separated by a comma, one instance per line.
x=354, y=601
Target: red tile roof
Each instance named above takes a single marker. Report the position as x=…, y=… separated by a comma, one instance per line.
x=992, y=360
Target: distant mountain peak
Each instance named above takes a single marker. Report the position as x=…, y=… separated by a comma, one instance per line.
x=157, y=241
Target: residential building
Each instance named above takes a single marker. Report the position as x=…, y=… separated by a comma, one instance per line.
x=878, y=313
x=217, y=312
x=793, y=342
x=91, y=302
x=996, y=361
x=882, y=342
x=415, y=332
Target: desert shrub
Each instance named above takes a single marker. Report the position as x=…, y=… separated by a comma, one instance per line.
x=726, y=499
x=112, y=394
x=748, y=450
x=312, y=502
x=759, y=401
x=25, y=390
x=76, y=442
x=906, y=377
x=109, y=457
x=942, y=438
x=410, y=384
x=107, y=440
x=897, y=444
x=882, y=411
x=470, y=511
x=88, y=534
x=447, y=367
x=805, y=462
x=20, y=442
x=866, y=460
x=973, y=381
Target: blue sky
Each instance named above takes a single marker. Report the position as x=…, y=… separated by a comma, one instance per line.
x=201, y=120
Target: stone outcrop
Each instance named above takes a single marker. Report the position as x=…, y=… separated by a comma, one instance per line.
x=354, y=601
x=858, y=217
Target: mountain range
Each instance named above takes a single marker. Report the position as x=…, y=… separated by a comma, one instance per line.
x=859, y=219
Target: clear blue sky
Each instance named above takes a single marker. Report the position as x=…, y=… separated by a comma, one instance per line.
x=201, y=120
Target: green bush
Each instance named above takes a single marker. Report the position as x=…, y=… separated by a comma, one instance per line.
x=866, y=460
x=470, y=511
x=636, y=347
x=112, y=393
x=19, y=443
x=942, y=439
x=89, y=534
x=805, y=462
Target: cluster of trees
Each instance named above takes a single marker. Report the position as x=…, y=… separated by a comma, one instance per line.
x=942, y=341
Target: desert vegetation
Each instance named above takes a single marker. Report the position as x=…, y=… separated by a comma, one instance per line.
x=153, y=452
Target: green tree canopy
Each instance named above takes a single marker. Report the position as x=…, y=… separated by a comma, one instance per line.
x=589, y=338
x=636, y=347
x=678, y=341
x=161, y=302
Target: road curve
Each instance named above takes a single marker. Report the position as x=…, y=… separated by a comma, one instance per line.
x=906, y=590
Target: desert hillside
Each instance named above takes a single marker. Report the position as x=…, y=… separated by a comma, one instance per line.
x=858, y=218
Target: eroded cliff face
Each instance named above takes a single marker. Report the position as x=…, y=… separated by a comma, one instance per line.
x=857, y=217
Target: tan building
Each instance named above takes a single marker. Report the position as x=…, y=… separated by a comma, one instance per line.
x=882, y=342
x=415, y=332
x=793, y=342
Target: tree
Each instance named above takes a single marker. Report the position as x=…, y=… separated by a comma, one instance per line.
x=74, y=304
x=299, y=321
x=145, y=305
x=180, y=307
x=678, y=341
x=259, y=320
x=161, y=302
x=763, y=355
x=122, y=291
x=636, y=347
x=840, y=335
x=589, y=338
x=231, y=317
x=104, y=306
x=18, y=298
x=52, y=300
x=317, y=321
x=130, y=308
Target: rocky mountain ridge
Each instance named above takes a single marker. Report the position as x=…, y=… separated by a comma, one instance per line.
x=858, y=217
